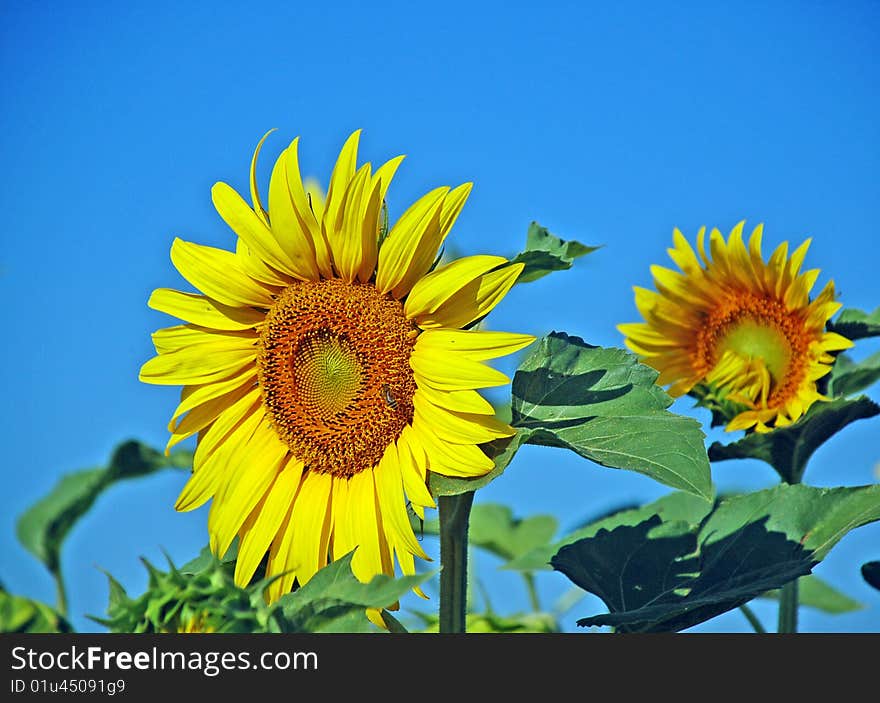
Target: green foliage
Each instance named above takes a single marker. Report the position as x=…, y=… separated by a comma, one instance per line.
x=532, y=622
x=848, y=376
x=203, y=601
x=44, y=526
x=545, y=253
x=333, y=600
x=605, y=406
x=856, y=324
x=813, y=592
x=672, y=508
x=201, y=596
x=666, y=574
x=494, y=528
x=18, y=614
x=788, y=449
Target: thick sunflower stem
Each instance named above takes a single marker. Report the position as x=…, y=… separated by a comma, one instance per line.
x=788, y=601
x=788, y=608
x=454, y=517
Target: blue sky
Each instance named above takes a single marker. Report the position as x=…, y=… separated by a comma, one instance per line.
x=608, y=123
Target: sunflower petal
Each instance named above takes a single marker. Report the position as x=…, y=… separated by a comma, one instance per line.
x=218, y=274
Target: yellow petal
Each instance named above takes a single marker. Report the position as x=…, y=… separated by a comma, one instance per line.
x=209, y=466
x=478, y=345
x=452, y=206
x=412, y=461
x=204, y=414
x=258, y=536
x=293, y=237
x=217, y=274
x=252, y=230
x=473, y=301
x=343, y=172
x=303, y=206
x=193, y=396
x=454, y=373
x=196, y=364
x=219, y=435
x=346, y=234
x=389, y=488
x=201, y=310
x=367, y=559
x=411, y=246
x=461, y=460
x=458, y=428
x=466, y=401
x=252, y=469
x=438, y=286
x=255, y=191
x=311, y=526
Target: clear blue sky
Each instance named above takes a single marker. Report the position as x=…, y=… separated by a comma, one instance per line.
x=610, y=123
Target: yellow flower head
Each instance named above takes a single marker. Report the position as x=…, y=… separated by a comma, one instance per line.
x=737, y=332
x=327, y=367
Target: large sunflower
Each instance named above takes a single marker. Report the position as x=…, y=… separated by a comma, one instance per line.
x=736, y=332
x=327, y=367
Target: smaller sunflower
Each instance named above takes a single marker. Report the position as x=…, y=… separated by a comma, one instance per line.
x=740, y=334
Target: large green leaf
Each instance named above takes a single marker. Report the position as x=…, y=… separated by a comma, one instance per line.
x=856, y=324
x=605, y=406
x=813, y=592
x=848, y=376
x=545, y=253
x=672, y=508
x=44, y=526
x=788, y=449
x=333, y=600
x=18, y=614
x=666, y=576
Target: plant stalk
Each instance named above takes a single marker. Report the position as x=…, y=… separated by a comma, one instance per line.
x=753, y=619
x=788, y=608
x=454, y=518
x=60, y=593
x=788, y=600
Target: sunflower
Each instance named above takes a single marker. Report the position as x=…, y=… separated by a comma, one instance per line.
x=328, y=365
x=740, y=334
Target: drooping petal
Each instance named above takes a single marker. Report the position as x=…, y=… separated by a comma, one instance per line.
x=217, y=274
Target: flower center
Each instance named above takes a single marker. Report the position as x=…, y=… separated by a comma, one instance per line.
x=333, y=366
x=752, y=345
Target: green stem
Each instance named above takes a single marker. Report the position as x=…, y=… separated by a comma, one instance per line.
x=788, y=608
x=533, y=592
x=788, y=597
x=454, y=516
x=60, y=593
x=753, y=619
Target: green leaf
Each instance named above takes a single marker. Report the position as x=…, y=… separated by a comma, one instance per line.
x=44, y=526
x=501, y=451
x=673, y=508
x=605, y=406
x=18, y=614
x=545, y=253
x=333, y=600
x=848, y=376
x=813, y=592
x=788, y=449
x=533, y=622
x=871, y=573
x=666, y=576
x=494, y=528
x=856, y=324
